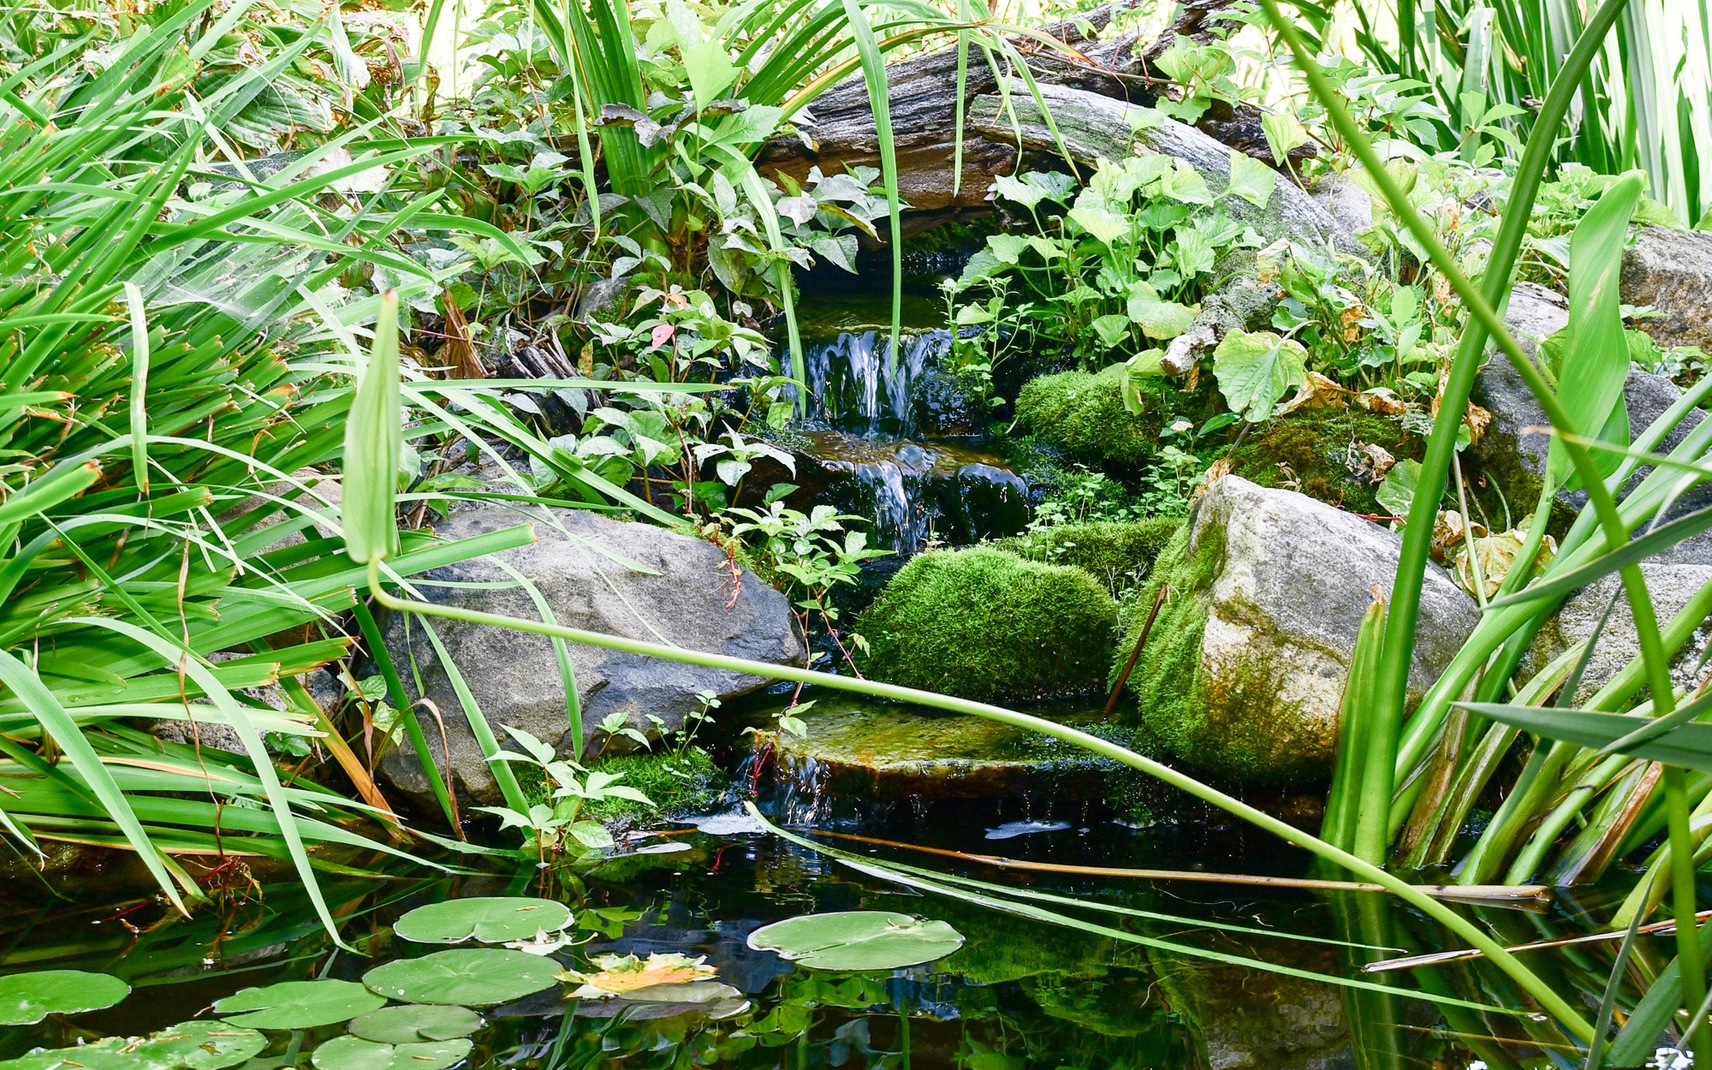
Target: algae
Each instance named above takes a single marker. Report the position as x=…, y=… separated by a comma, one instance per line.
x=986, y=624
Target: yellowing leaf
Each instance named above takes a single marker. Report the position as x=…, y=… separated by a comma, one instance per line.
x=621, y=974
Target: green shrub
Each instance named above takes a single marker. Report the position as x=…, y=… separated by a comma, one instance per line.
x=1118, y=552
x=986, y=624
x=1083, y=416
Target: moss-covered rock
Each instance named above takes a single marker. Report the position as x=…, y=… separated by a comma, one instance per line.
x=674, y=783
x=986, y=624
x=1118, y=552
x=1243, y=671
x=1083, y=416
x=1320, y=452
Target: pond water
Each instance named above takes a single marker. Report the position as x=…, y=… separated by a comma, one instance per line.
x=1020, y=992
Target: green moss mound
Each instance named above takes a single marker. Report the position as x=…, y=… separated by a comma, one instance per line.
x=675, y=782
x=1310, y=451
x=986, y=624
x=1232, y=726
x=1083, y=416
x=1118, y=552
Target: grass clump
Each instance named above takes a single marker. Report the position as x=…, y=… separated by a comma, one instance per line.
x=1119, y=552
x=1082, y=415
x=986, y=624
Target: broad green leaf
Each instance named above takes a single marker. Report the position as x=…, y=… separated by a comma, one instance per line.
x=472, y=978
x=1112, y=330
x=1250, y=179
x=1595, y=362
x=857, y=940
x=1100, y=224
x=27, y=998
x=489, y=919
x=374, y=443
x=1157, y=318
x=710, y=71
x=355, y=1053
x=1283, y=132
x=416, y=1022
x=298, y=1004
x=1397, y=492
x=1255, y=370
x=1184, y=183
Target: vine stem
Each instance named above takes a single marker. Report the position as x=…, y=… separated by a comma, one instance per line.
x=1549, y=1000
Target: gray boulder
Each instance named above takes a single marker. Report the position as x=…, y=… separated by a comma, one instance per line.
x=598, y=574
x=1513, y=449
x=1245, y=670
x=1672, y=271
x=1670, y=586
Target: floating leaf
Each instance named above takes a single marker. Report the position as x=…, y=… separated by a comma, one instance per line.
x=857, y=940
x=210, y=1045
x=354, y=1053
x=477, y=977
x=27, y=998
x=490, y=919
x=416, y=1022
x=298, y=1004
x=623, y=975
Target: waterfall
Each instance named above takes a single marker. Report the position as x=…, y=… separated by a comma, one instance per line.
x=855, y=385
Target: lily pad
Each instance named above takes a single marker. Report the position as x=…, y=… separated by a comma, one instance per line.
x=27, y=998
x=416, y=1022
x=298, y=1004
x=354, y=1053
x=206, y=1045
x=489, y=919
x=857, y=940
x=474, y=977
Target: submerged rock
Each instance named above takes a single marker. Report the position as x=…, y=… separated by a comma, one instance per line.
x=986, y=624
x=595, y=573
x=1243, y=672
x=1254, y=1020
x=860, y=749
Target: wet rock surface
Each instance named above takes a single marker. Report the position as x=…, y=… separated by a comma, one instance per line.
x=604, y=575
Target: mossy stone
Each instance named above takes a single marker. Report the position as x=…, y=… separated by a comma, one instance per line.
x=1119, y=552
x=1309, y=450
x=986, y=624
x=1083, y=416
x=1232, y=722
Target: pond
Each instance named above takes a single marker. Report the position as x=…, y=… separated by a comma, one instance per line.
x=1020, y=992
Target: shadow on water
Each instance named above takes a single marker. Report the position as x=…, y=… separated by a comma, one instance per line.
x=1019, y=994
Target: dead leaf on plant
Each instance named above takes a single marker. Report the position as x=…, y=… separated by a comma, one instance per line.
x=622, y=974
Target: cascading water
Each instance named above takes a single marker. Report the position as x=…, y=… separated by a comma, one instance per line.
x=882, y=442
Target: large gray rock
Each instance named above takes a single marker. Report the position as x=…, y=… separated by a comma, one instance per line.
x=1276, y=584
x=1513, y=449
x=1672, y=271
x=1094, y=127
x=597, y=574
x=1670, y=586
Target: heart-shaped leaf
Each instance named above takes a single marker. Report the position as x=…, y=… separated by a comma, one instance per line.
x=354, y=1053
x=476, y=977
x=298, y=1004
x=27, y=998
x=490, y=919
x=416, y=1022
x=857, y=940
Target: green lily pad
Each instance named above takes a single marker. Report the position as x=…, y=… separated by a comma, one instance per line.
x=416, y=1022
x=355, y=1053
x=857, y=940
x=206, y=1045
x=298, y=1004
x=490, y=919
x=474, y=977
x=27, y=998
